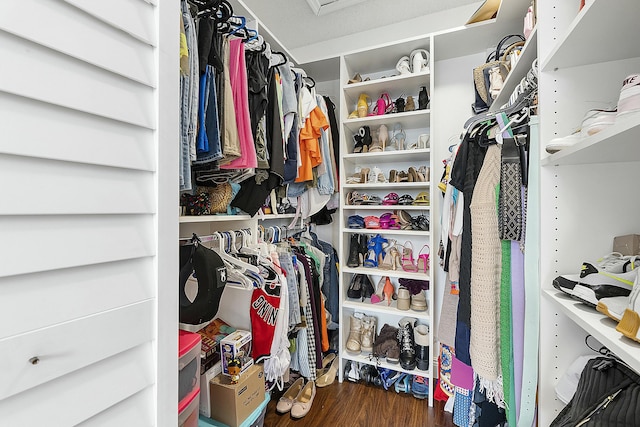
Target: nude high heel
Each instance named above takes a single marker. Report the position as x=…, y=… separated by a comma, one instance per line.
x=383, y=136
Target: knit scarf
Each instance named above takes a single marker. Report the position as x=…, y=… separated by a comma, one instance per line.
x=485, y=279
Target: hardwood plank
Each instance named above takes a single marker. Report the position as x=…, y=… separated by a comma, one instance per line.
x=355, y=405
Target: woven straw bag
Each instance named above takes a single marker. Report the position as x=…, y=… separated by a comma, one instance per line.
x=219, y=197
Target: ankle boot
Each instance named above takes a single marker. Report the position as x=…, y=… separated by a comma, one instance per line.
x=407, y=343
x=354, y=252
x=355, y=336
x=421, y=333
x=368, y=333
x=411, y=106
x=423, y=98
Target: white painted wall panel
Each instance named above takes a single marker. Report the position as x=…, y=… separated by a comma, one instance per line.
x=41, y=73
x=31, y=243
x=69, y=346
x=38, y=129
x=73, y=398
x=81, y=36
x=53, y=297
x=131, y=16
x=74, y=188
x=137, y=408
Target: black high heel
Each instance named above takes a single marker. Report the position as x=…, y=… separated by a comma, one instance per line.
x=359, y=146
x=423, y=98
x=366, y=136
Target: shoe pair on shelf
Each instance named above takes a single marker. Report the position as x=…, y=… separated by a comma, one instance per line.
x=357, y=250
x=611, y=285
x=596, y=120
x=416, y=62
x=420, y=174
x=407, y=300
x=362, y=334
x=413, y=340
x=386, y=221
x=421, y=264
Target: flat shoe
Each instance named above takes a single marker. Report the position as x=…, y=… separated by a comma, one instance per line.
x=304, y=400
x=286, y=401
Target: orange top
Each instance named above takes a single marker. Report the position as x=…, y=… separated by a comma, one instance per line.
x=309, y=145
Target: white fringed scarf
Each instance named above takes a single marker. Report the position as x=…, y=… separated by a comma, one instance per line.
x=486, y=258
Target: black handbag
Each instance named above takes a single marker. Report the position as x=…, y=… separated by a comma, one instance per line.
x=608, y=394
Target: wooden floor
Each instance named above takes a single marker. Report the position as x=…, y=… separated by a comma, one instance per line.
x=359, y=405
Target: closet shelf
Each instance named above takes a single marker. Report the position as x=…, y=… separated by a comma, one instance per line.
x=391, y=273
x=393, y=84
x=382, y=307
x=617, y=143
x=408, y=120
x=582, y=44
x=388, y=156
x=386, y=231
x=600, y=326
x=386, y=207
x=389, y=185
x=213, y=218
x=365, y=358
x=527, y=56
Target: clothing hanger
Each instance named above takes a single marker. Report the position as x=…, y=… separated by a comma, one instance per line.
x=306, y=82
x=283, y=58
x=235, y=262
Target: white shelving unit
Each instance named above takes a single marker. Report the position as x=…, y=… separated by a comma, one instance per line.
x=584, y=188
x=379, y=65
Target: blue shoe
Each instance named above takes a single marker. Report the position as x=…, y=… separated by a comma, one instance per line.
x=403, y=384
x=420, y=387
x=389, y=377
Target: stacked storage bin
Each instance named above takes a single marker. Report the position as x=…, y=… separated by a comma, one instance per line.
x=189, y=378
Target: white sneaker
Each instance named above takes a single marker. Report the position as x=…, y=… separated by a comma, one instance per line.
x=630, y=319
x=629, y=100
x=557, y=144
x=596, y=120
x=614, y=278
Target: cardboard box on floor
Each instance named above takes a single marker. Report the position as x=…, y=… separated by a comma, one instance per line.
x=231, y=404
x=627, y=245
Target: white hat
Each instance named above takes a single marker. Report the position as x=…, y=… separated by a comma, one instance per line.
x=566, y=387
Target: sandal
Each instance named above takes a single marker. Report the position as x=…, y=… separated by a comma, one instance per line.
x=354, y=198
x=423, y=259
x=419, y=60
x=423, y=173
x=376, y=176
x=355, y=221
x=371, y=222
x=375, y=251
x=407, y=258
x=383, y=136
x=421, y=222
x=371, y=200
x=383, y=105
x=398, y=138
x=405, y=199
x=404, y=219
x=422, y=199
x=390, y=199
x=421, y=143
x=403, y=65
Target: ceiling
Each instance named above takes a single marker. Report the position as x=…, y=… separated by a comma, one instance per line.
x=296, y=25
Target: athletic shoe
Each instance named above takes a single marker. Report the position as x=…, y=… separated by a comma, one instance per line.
x=557, y=144
x=630, y=321
x=596, y=120
x=629, y=100
x=592, y=285
x=420, y=387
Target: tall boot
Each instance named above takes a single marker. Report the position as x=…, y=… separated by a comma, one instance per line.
x=368, y=333
x=355, y=336
x=354, y=252
x=423, y=98
x=421, y=334
x=364, y=243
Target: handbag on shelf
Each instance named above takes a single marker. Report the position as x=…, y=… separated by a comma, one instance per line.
x=494, y=71
x=608, y=394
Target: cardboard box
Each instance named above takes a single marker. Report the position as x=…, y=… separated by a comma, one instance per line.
x=236, y=345
x=232, y=404
x=627, y=245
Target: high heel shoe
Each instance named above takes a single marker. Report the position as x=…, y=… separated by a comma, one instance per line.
x=383, y=136
x=384, y=291
x=386, y=264
x=398, y=138
x=375, y=251
x=423, y=259
x=364, y=175
x=419, y=60
x=329, y=374
x=363, y=105
x=410, y=105
x=358, y=143
x=396, y=261
x=366, y=136
x=423, y=173
x=408, y=263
